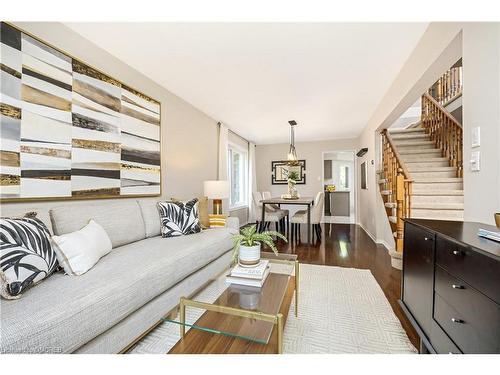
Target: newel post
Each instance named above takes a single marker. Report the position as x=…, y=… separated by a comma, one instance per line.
x=400, y=196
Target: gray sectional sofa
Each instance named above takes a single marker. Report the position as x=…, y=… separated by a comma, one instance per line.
x=124, y=294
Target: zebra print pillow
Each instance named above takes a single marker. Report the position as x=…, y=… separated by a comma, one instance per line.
x=179, y=218
x=26, y=255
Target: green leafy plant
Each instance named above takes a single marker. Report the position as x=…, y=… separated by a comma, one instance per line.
x=293, y=175
x=249, y=236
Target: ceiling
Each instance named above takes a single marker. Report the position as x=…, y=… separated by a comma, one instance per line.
x=254, y=77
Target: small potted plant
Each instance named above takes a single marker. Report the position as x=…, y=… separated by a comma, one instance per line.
x=247, y=245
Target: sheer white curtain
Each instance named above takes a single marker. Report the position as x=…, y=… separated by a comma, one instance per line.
x=223, y=151
x=252, y=182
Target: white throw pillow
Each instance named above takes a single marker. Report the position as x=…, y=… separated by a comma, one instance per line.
x=79, y=251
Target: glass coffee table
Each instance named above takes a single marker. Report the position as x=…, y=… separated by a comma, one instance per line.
x=240, y=319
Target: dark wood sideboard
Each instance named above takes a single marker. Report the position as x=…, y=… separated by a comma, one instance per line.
x=451, y=286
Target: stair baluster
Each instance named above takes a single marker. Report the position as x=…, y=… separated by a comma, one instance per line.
x=444, y=130
x=398, y=182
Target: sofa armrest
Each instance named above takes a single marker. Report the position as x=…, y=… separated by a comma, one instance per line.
x=233, y=223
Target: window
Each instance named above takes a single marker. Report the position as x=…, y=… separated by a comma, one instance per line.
x=344, y=177
x=237, y=172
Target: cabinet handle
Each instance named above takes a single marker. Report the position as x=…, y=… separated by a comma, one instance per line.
x=427, y=239
x=455, y=286
x=457, y=252
x=454, y=320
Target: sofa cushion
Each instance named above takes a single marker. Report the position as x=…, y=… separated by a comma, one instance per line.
x=26, y=255
x=79, y=251
x=16, y=211
x=65, y=312
x=121, y=220
x=179, y=218
x=151, y=217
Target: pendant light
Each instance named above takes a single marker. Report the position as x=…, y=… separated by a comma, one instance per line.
x=292, y=158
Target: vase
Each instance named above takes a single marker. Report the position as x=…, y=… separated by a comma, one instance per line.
x=292, y=191
x=497, y=219
x=249, y=256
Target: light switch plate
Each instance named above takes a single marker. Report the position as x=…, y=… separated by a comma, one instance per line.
x=475, y=161
x=476, y=137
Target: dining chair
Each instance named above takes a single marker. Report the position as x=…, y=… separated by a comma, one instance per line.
x=270, y=216
x=275, y=207
x=300, y=217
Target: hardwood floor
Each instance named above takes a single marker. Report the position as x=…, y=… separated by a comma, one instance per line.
x=347, y=245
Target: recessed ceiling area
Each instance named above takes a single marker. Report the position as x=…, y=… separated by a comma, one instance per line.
x=254, y=77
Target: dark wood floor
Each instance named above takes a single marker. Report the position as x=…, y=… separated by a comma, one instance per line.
x=346, y=245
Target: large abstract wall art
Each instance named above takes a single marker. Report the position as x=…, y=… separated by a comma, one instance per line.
x=70, y=131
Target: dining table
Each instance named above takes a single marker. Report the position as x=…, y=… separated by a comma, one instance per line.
x=302, y=201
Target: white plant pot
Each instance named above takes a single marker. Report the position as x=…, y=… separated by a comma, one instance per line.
x=249, y=256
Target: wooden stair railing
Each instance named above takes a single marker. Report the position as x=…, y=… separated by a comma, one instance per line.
x=396, y=180
x=444, y=130
x=449, y=86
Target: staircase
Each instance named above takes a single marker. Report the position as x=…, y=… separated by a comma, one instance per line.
x=422, y=174
x=437, y=192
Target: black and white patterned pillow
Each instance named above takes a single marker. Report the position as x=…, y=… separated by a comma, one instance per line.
x=26, y=255
x=179, y=218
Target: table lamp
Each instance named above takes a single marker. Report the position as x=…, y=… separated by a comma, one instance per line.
x=216, y=190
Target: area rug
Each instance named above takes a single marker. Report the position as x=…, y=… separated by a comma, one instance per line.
x=341, y=310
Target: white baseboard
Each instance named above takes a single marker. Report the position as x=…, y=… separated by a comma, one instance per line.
x=338, y=220
x=386, y=245
x=376, y=240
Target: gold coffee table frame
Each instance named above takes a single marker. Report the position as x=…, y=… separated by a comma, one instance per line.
x=276, y=319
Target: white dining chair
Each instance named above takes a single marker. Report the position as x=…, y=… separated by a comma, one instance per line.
x=271, y=215
x=300, y=217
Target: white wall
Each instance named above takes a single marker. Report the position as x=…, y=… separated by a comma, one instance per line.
x=312, y=152
x=481, y=108
x=189, y=137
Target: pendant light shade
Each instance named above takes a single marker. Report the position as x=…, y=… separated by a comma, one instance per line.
x=292, y=153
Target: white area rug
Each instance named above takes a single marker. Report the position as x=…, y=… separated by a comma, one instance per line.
x=341, y=310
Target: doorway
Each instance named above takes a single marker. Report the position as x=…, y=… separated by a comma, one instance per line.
x=339, y=184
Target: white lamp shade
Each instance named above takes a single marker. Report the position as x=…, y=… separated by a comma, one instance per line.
x=216, y=189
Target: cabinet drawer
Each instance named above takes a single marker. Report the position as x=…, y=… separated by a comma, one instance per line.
x=469, y=334
x=441, y=342
x=480, y=271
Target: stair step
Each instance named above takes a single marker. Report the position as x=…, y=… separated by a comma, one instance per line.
x=427, y=163
x=454, y=215
x=419, y=173
x=407, y=130
x=412, y=168
x=438, y=184
x=395, y=234
x=411, y=136
x=441, y=192
x=386, y=192
x=438, y=180
x=424, y=159
x=390, y=205
x=393, y=219
x=419, y=152
x=433, y=199
x=437, y=206
x=404, y=144
x=382, y=181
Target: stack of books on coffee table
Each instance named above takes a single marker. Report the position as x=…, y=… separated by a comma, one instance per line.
x=249, y=276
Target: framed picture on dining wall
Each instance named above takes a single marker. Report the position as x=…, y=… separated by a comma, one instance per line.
x=70, y=131
x=280, y=170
